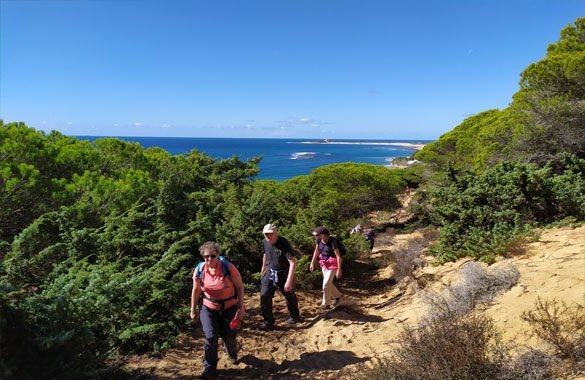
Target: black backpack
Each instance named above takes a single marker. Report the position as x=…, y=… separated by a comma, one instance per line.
x=340, y=245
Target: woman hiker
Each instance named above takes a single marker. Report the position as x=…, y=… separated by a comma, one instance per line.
x=220, y=284
x=327, y=251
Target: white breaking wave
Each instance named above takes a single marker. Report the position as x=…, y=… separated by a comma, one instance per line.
x=302, y=155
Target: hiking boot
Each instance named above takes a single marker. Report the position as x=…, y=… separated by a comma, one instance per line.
x=324, y=307
x=294, y=321
x=209, y=374
x=234, y=360
x=265, y=326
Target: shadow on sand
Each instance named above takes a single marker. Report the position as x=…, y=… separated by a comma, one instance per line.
x=330, y=360
x=343, y=313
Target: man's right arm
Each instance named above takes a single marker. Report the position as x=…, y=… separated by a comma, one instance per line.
x=264, y=263
x=263, y=266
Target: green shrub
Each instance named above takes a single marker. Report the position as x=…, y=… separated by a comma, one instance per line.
x=305, y=279
x=480, y=214
x=474, y=144
x=356, y=189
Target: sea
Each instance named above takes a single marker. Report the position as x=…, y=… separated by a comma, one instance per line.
x=284, y=158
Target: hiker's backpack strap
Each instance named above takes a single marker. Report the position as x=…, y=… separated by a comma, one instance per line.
x=225, y=268
x=199, y=271
x=320, y=246
x=340, y=245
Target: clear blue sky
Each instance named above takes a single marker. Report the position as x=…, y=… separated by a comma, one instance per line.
x=367, y=69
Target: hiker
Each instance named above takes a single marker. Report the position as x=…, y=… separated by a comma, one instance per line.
x=279, y=263
x=357, y=229
x=370, y=233
x=327, y=250
x=218, y=286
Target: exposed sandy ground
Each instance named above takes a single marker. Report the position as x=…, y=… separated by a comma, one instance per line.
x=374, y=311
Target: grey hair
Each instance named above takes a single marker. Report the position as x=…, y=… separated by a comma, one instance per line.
x=209, y=247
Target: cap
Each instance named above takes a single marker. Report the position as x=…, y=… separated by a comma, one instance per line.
x=269, y=228
x=321, y=230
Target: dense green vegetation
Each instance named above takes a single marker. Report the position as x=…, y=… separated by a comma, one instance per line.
x=503, y=172
x=481, y=214
x=97, y=244
x=98, y=240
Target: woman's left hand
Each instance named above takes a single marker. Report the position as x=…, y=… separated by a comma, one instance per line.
x=338, y=274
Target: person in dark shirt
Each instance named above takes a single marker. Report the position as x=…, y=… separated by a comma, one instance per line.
x=370, y=234
x=279, y=263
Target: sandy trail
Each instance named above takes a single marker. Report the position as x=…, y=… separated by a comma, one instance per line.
x=322, y=345
x=374, y=311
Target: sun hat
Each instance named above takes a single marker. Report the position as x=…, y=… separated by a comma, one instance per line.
x=321, y=230
x=269, y=228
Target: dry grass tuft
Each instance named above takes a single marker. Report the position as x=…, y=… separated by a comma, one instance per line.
x=454, y=342
x=534, y=364
x=407, y=260
x=450, y=347
x=559, y=325
x=477, y=284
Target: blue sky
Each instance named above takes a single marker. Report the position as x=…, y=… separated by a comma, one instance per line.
x=278, y=68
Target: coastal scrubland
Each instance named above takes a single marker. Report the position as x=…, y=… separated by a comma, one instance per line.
x=98, y=241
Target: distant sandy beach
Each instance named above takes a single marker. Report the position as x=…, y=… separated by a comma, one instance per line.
x=414, y=146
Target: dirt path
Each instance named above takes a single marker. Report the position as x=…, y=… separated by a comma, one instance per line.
x=325, y=345
x=373, y=312
x=321, y=346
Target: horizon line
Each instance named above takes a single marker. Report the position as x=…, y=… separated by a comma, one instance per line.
x=308, y=139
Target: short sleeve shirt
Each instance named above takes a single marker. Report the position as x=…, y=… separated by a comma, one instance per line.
x=218, y=286
x=278, y=254
x=327, y=250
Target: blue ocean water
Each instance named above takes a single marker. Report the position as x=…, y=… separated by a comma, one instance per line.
x=283, y=158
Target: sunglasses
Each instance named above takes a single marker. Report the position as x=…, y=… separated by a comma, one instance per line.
x=209, y=256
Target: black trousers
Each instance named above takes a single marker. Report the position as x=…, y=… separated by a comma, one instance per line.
x=267, y=290
x=217, y=324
